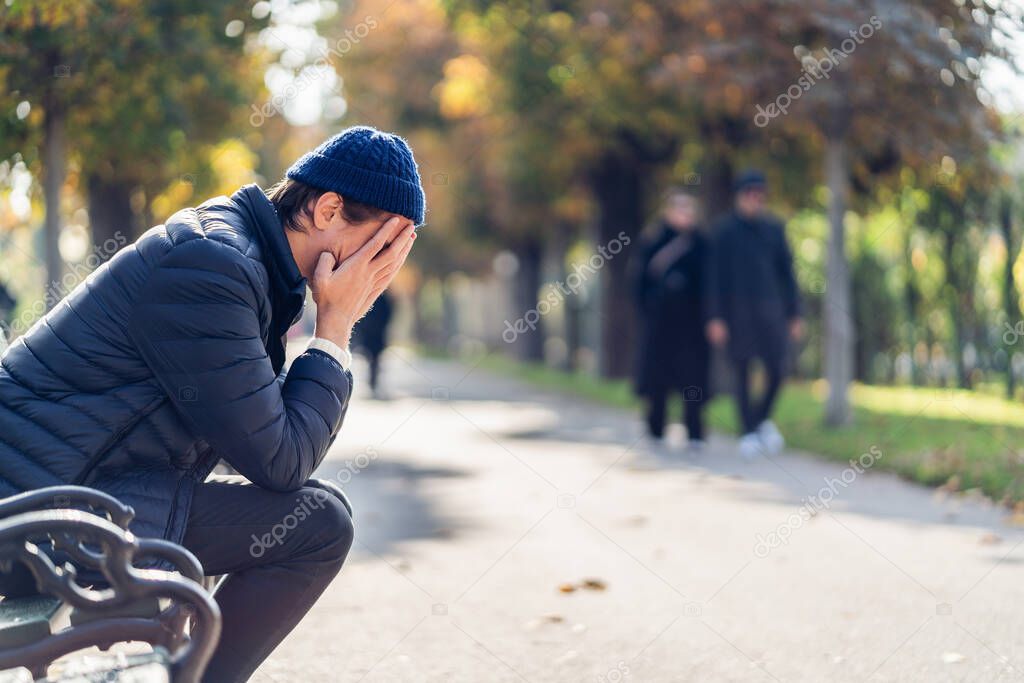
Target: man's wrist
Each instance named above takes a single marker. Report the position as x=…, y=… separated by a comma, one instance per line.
x=338, y=334
x=338, y=353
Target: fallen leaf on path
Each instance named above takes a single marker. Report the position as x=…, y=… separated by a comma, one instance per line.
x=585, y=584
x=990, y=539
x=534, y=624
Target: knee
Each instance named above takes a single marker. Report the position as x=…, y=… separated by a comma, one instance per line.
x=331, y=529
x=333, y=489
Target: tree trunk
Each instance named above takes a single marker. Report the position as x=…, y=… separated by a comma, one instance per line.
x=911, y=297
x=54, y=161
x=110, y=214
x=571, y=303
x=716, y=180
x=451, y=325
x=529, y=346
x=573, y=334
x=617, y=184
x=839, y=341
x=963, y=379
x=958, y=313
x=1010, y=301
x=722, y=138
x=426, y=328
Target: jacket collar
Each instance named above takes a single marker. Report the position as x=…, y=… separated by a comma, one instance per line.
x=287, y=286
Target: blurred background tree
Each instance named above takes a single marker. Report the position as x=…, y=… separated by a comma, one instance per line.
x=134, y=99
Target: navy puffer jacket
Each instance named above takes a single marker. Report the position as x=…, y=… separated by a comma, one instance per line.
x=165, y=360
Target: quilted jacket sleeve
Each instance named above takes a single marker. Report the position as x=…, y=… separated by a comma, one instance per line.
x=197, y=326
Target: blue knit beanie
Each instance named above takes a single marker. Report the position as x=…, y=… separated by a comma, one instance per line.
x=369, y=166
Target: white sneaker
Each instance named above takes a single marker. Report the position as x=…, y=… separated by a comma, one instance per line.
x=771, y=437
x=750, y=446
x=652, y=444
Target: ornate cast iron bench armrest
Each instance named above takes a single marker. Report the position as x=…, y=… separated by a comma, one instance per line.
x=112, y=614
x=65, y=497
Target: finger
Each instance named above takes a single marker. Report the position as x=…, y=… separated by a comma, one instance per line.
x=379, y=239
x=375, y=293
x=406, y=245
x=371, y=298
x=395, y=231
x=388, y=274
x=324, y=266
x=396, y=244
x=392, y=265
x=384, y=278
x=404, y=227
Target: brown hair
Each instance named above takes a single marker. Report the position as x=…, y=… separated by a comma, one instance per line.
x=294, y=199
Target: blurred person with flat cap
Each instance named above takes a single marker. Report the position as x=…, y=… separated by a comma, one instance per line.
x=170, y=356
x=753, y=307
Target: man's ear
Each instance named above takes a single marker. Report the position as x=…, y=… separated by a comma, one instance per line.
x=326, y=210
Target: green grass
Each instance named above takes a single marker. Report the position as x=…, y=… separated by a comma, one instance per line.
x=959, y=439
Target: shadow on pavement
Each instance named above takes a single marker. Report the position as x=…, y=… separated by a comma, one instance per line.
x=389, y=503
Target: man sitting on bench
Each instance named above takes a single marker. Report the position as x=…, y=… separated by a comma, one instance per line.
x=169, y=357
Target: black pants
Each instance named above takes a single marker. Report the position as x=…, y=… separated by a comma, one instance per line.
x=755, y=411
x=693, y=413
x=279, y=551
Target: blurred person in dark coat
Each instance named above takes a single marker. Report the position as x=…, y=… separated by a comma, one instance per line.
x=673, y=352
x=753, y=306
x=7, y=306
x=7, y=303
x=371, y=336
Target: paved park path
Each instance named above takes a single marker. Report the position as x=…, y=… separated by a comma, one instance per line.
x=481, y=502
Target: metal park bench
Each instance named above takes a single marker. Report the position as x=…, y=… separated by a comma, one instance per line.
x=93, y=593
